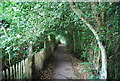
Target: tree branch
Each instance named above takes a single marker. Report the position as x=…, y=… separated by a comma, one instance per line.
x=103, y=73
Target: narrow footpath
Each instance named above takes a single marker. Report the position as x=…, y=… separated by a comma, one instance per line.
x=62, y=66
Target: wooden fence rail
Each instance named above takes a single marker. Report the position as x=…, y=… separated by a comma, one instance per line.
x=18, y=71
x=23, y=70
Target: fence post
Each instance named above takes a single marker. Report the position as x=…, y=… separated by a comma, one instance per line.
x=46, y=42
x=53, y=42
x=30, y=48
x=30, y=61
x=0, y=64
x=14, y=77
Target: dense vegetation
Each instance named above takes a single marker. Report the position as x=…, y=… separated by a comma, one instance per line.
x=23, y=22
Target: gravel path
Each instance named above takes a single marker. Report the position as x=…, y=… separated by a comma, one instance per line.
x=62, y=67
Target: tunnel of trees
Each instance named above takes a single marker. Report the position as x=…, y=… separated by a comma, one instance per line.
x=91, y=31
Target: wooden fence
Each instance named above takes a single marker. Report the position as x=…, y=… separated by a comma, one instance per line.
x=27, y=67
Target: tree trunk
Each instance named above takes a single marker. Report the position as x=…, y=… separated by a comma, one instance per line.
x=74, y=41
x=103, y=73
x=5, y=31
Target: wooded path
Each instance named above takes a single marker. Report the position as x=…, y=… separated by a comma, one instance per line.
x=62, y=67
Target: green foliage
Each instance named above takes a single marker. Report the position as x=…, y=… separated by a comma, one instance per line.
x=35, y=21
x=94, y=78
x=28, y=22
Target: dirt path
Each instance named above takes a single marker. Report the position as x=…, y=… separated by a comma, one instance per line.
x=62, y=67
